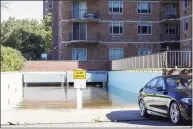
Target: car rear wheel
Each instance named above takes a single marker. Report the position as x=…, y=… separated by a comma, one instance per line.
x=142, y=108
x=175, y=113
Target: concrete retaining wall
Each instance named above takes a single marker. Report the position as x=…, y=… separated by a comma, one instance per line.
x=126, y=85
x=11, y=89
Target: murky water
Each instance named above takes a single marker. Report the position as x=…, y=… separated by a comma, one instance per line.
x=93, y=97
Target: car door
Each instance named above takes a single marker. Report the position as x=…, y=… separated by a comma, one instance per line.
x=149, y=93
x=161, y=98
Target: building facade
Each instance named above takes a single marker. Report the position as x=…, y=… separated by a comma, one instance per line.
x=116, y=29
x=186, y=24
x=47, y=7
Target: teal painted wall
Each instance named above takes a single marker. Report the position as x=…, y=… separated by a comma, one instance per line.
x=124, y=86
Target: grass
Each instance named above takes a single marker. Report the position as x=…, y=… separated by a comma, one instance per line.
x=97, y=120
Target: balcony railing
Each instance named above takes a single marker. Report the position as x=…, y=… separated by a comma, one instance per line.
x=84, y=37
x=170, y=37
x=167, y=59
x=82, y=14
x=169, y=1
x=126, y=38
x=179, y=58
x=164, y=16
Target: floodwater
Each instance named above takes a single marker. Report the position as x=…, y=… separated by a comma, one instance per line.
x=93, y=97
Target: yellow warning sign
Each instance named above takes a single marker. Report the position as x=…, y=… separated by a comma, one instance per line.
x=79, y=74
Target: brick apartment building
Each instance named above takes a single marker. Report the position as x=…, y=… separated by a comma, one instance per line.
x=47, y=7
x=115, y=29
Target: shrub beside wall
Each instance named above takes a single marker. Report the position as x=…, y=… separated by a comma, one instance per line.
x=11, y=60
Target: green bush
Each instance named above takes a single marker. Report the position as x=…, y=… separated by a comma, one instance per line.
x=11, y=59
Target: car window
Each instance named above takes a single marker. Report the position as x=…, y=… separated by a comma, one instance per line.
x=179, y=83
x=154, y=83
x=161, y=83
x=148, y=84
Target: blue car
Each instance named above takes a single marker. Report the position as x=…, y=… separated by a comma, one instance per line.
x=167, y=96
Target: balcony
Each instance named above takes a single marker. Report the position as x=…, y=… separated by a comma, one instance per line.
x=169, y=1
x=77, y=37
x=79, y=15
x=125, y=38
x=170, y=37
x=169, y=17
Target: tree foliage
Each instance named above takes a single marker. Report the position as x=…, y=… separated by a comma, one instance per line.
x=47, y=24
x=11, y=59
x=31, y=37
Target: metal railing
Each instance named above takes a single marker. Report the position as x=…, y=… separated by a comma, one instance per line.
x=128, y=38
x=77, y=36
x=181, y=59
x=165, y=16
x=169, y=37
x=167, y=59
x=85, y=14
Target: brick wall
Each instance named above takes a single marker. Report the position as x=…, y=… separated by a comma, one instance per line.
x=34, y=66
x=184, y=35
x=101, y=51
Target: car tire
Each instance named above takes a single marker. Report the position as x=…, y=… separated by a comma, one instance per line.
x=174, y=113
x=142, y=108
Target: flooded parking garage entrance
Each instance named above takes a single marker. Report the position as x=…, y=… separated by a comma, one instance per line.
x=64, y=95
x=94, y=96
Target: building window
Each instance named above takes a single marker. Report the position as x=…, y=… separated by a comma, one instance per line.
x=115, y=7
x=185, y=4
x=116, y=53
x=144, y=51
x=116, y=28
x=144, y=7
x=172, y=29
x=50, y=6
x=144, y=28
x=170, y=9
x=79, y=54
x=185, y=24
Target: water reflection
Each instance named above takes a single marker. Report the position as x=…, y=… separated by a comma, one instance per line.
x=93, y=97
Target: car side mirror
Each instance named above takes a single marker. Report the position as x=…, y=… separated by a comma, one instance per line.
x=159, y=89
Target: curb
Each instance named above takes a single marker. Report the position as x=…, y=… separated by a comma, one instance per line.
x=17, y=124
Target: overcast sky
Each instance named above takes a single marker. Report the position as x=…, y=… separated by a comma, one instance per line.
x=22, y=9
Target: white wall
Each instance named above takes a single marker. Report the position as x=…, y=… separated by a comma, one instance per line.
x=91, y=76
x=11, y=89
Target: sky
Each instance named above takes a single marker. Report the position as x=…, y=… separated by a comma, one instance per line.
x=22, y=9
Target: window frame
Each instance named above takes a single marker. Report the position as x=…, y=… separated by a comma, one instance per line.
x=142, y=2
x=186, y=20
x=145, y=49
x=173, y=81
x=183, y=4
x=177, y=30
x=174, y=9
x=120, y=25
x=148, y=24
x=120, y=3
x=149, y=83
x=110, y=59
x=154, y=88
x=75, y=54
x=165, y=84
